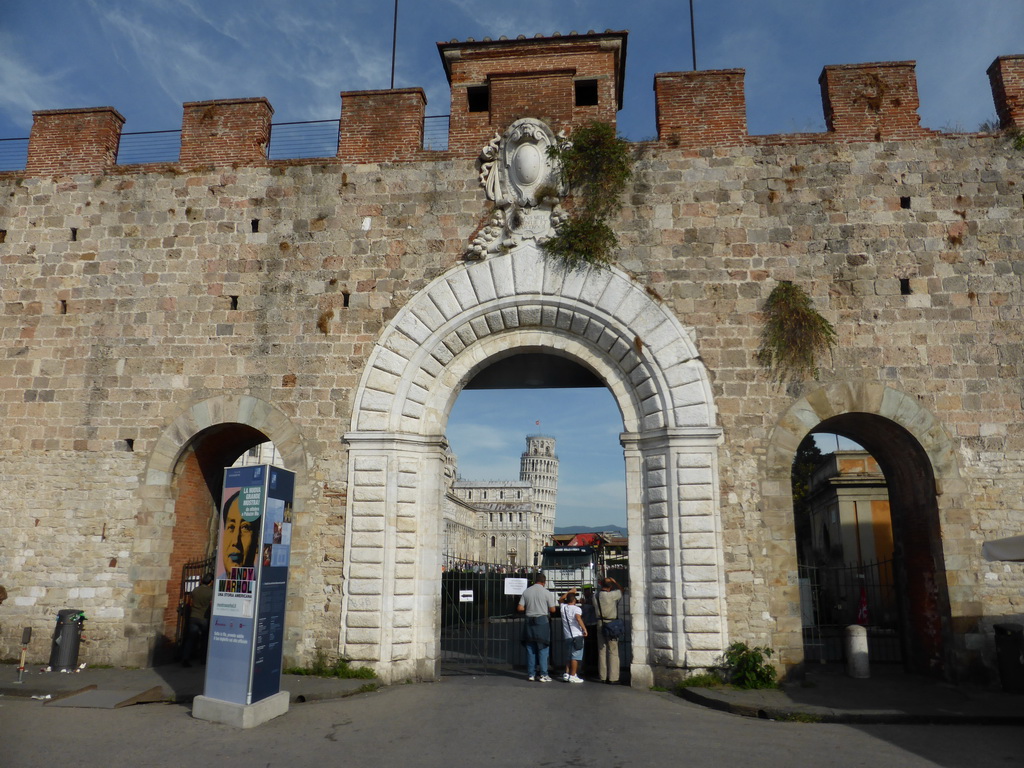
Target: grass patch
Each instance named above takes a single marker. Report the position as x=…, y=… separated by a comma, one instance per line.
x=701, y=680
x=799, y=717
x=322, y=666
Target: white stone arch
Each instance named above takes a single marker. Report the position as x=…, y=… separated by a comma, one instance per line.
x=156, y=517
x=464, y=321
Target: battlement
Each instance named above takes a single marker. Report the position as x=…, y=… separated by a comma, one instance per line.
x=563, y=80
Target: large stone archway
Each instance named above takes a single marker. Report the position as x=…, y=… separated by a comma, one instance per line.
x=156, y=517
x=462, y=322
x=919, y=461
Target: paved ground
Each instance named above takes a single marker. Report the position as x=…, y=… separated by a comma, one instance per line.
x=499, y=720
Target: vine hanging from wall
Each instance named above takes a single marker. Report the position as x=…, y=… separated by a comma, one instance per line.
x=596, y=165
x=794, y=336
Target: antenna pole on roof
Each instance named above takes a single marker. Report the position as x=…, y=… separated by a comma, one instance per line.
x=693, y=37
x=394, y=44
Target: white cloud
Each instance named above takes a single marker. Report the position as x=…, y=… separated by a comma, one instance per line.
x=24, y=88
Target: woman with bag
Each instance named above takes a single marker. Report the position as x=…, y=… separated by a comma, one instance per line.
x=573, y=632
x=611, y=628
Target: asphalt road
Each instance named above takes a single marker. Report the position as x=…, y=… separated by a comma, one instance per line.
x=484, y=721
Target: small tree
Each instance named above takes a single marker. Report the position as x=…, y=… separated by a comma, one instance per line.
x=596, y=165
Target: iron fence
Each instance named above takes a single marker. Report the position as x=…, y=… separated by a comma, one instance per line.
x=191, y=576
x=480, y=627
x=835, y=597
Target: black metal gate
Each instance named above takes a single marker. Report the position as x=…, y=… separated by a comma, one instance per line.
x=834, y=597
x=480, y=628
x=191, y=574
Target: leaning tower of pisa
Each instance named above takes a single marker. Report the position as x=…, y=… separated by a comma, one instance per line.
x=538, y=466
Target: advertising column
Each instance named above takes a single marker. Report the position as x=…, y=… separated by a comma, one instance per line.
x=251, y=580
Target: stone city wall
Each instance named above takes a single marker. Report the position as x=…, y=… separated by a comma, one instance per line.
x=131, y=295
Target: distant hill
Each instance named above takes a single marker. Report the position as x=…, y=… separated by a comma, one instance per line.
x=590, y=529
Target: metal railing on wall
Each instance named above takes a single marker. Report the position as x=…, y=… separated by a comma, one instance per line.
x=288, y=141
x=13, y=154
x=149, y=147
x=311, y=138
x=435, y=132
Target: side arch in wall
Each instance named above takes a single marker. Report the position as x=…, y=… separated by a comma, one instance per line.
x=919, y=461
x=235, y=422
x=464, y=321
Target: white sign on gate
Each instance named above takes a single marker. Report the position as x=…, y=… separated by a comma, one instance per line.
x=465, y=595
x=515, y=586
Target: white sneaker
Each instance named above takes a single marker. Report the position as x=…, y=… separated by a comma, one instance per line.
x=531, y=678
x=565, y=677
x=575, y=679
x=544, y=679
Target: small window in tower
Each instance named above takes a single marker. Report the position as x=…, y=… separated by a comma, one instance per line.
x=493, y=539
x=586, y=93
x=478, y=98
x=905, y=286
x=905, y=203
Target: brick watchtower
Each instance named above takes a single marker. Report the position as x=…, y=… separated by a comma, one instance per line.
x=562, y=80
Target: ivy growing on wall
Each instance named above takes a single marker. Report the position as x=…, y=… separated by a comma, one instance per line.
x=794, y=335
x=596, y=166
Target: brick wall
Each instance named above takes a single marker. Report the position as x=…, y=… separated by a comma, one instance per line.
x=381, y=126
x=873, y=102
x=530, y=78
x=193, y=509
x=1006, y=75
x=697, y=109
x=225, y=132
x=68, y=141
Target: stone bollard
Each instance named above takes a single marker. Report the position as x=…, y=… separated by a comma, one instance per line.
x=857, y=663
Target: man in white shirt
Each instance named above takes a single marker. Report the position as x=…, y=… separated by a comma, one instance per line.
x=538, y=604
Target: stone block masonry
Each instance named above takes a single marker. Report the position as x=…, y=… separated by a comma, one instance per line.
x=148, y=313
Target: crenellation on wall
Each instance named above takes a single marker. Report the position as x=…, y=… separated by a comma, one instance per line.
x=64, y=142
x=225, y=132
x=1006, y=76
x=381, y=126
x=700, y=109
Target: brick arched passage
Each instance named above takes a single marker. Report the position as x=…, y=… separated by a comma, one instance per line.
x=181, y=478
x=920, y=465
x=462, y=322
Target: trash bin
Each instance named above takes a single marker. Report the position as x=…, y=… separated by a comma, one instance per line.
x=66, y=638
x=1010, y=656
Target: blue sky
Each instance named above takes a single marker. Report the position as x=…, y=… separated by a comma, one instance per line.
x=147, y=57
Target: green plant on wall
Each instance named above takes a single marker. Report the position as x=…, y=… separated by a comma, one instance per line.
x=596, y=166
x=794, y=335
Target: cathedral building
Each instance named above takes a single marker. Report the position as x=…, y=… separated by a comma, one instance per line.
x=505, y=522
